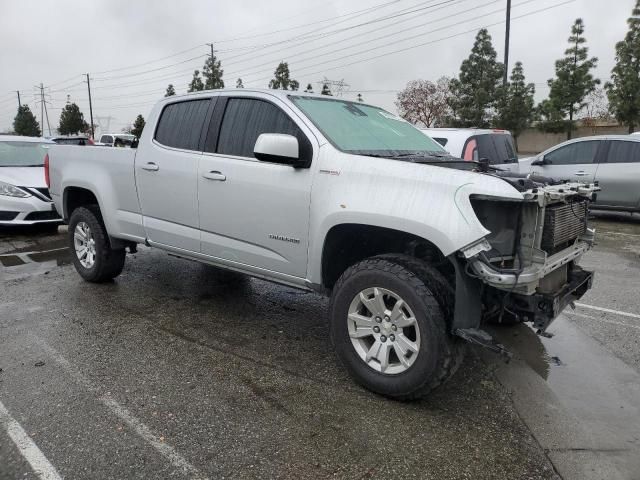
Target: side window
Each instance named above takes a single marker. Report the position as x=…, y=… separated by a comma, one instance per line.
x=245, y=119
x=106, y=139
x=180, y=124
x=623, y=152
x=441, y=141
x=574, y=154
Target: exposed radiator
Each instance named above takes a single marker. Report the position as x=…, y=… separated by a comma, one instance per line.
x=563, y=223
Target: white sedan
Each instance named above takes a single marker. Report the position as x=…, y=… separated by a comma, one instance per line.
x=24, y=196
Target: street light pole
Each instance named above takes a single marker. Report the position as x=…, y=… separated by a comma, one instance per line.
x=90, y=105
x=506, y=44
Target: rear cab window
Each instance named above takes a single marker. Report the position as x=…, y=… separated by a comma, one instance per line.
x=181, y=123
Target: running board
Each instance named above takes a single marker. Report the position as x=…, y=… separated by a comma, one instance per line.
x=483, y=339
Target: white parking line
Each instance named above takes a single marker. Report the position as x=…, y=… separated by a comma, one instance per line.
x=608, y=310
x=576, y=314
x=28, y=449
x=157, y=442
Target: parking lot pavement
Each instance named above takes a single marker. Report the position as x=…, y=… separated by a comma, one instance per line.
x=177, y=370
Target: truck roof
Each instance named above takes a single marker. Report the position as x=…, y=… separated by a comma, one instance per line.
x=276, y=93
x=20, y=138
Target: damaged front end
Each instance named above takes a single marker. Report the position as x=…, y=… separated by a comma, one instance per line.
x=526, y=269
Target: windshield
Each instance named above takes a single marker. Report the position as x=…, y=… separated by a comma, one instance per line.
x=361, y=129
x=22, y=154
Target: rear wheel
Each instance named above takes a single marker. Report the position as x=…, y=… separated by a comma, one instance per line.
x=389, y=328
x=92, y=254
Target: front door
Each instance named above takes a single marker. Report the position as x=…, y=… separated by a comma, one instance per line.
x=253, y=213
x=167, y=176
x=576, y=161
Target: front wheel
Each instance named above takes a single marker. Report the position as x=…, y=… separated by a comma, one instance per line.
x=389, y=329
x=92, y=254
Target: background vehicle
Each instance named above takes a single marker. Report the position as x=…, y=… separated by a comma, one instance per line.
x=475, y=143
x=24, y=196
x=613, y=161
x=116, y=140
x=72, y=140
x=414, y=246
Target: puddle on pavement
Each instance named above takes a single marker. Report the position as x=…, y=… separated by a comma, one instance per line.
x=589, y=381
x=33, y=259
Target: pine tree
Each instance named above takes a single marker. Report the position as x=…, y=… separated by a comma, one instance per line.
x=475, y=92
x=239, y=83
x=624, y=88
x=282, y=80
x=72, y=120
x=138, y=126
x=325, y=90
x=360, y=98
x=309, y=88
x=516, y=106
x=170, y=91
x=196, y=84
x=573, y=80
x=25, y=123
x=212, y=73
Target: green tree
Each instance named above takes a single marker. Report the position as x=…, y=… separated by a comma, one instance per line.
x=475, y=91
x=196, y=84
x=573, y=80
x=212, y=73
x=516, y=108
x=239, y=83
x=72, y=120
x=309, y=88
x=624, y=88
x=282, y=80
x=325, y=90
x=138, y=126
x=170, y=91
x=25, y=123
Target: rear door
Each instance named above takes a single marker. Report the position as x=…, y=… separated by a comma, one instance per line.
x=254, y=213
x=619, y=175
x=577, y=161
x=167, y=175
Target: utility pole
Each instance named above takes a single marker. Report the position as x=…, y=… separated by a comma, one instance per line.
x=19, y=104
x=43, y=110
x=212, y=50
x=90, y=105
x=507, y=32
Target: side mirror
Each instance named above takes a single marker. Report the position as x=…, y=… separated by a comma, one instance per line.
x=539, y=162
x=277, y=148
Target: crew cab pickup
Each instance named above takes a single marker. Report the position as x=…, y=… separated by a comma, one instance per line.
x=415, y=248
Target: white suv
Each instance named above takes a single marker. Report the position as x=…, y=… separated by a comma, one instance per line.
x=475, y=143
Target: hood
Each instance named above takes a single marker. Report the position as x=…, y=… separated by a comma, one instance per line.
x=23, y=176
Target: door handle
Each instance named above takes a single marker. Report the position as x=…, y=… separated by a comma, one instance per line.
x=581, y=173
x=214, y=175
x=150, y=166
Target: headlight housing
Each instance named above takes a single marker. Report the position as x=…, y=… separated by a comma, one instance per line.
x=9, y=190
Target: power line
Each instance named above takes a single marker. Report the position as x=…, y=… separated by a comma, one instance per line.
x=150, y=61
x=149, y=71
x=439, y=39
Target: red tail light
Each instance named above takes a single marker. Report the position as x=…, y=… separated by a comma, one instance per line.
x=46, y=171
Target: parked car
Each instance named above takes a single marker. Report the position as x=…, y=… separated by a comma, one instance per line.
x=612, y=160
x=415, y=247
x=116, y=140
x=475, y=143
x=24, y=196
x=72, y=140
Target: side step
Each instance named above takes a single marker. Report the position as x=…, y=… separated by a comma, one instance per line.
x=482, y=338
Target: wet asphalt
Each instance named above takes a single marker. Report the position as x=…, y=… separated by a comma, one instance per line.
x=178, y=370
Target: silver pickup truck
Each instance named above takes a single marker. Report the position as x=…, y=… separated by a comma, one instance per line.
x=415, y=248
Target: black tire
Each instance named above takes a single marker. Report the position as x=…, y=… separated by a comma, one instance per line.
x=431, y=300
x=108, y=262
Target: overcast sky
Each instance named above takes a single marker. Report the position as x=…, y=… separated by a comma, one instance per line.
x=121, y=44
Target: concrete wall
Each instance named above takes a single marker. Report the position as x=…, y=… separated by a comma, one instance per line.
x=533, y=140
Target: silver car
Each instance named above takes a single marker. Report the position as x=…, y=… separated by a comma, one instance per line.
x=611, y=160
